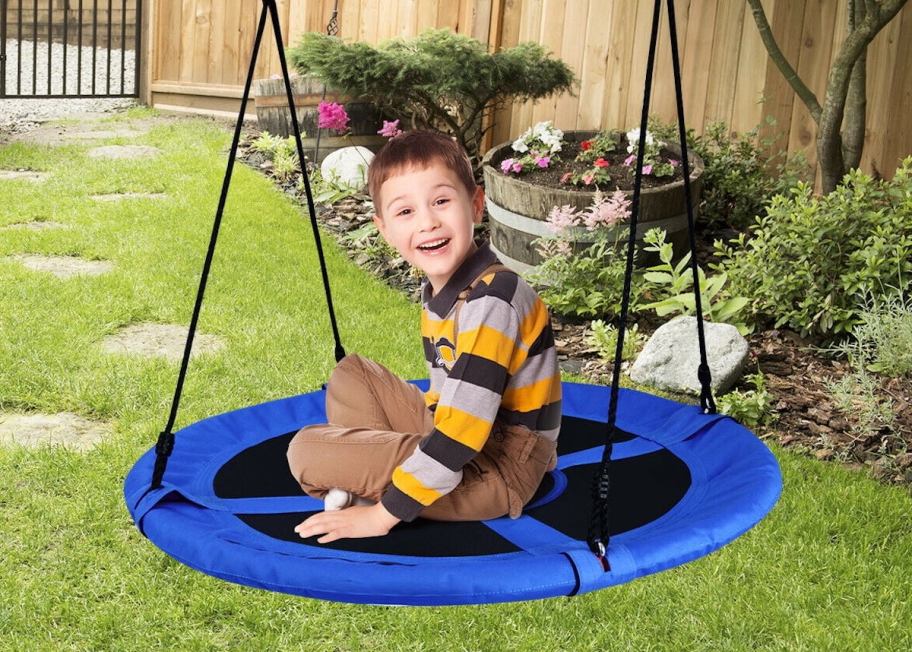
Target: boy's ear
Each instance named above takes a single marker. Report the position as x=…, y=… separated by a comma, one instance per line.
x=378, y=222
x=478, y=205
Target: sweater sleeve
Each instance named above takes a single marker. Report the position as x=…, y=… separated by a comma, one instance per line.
x=469, y=400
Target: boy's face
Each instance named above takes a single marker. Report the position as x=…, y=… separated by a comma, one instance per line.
x=427, y=215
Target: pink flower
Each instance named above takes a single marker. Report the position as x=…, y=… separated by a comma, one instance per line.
x=565, y=177
x=588, y=179
x=517, y=166
x=647, y=169
x=390, y=129
x=561, y=218
x=630, y=160
x=601, y=163
x=332, y=116
x=543, y=161
x=607, y=212
x=674, y=163
x=506, y=165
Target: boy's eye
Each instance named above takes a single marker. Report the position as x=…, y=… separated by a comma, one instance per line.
x=442, y=200
x=404, y=211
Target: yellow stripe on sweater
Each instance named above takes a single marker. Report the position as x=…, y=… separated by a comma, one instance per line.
x=486, y=342
x=462, y=426
x=410, y=485
x=534, y=323
x=534, y=396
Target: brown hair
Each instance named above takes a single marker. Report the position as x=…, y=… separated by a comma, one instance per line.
x=419, y=149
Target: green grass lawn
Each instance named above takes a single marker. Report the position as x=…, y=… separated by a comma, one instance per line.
x=829, y=568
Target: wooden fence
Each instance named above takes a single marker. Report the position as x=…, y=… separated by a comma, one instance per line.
x=201, y=50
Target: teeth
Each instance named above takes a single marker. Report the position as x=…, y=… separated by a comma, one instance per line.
x=435, y=243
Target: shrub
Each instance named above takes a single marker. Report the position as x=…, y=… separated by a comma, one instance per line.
x=751, y=407
x=673, y=283
x=882, y=342
x=739, y=177
x=437, y=80
x=809, y=259
x=584, y=280
x=603, y=338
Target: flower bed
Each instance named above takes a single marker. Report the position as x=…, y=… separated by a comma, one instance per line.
x=519, y=205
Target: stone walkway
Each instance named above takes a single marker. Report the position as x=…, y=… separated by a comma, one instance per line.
x=66, y=429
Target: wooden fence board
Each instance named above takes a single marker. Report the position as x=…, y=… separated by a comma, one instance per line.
x=572, y=48
x=617, y=73
x=698, y=52
x=551, y=37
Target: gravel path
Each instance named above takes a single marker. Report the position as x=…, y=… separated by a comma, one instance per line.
x=18, y=115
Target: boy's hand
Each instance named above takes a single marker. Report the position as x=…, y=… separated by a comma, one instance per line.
x=349, y=523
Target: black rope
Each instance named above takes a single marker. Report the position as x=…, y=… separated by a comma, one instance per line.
x=165, y=444
x=339, y=351
x=707, y=403
x=599, y=523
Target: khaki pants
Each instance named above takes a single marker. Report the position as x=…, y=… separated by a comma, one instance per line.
x=375, y=422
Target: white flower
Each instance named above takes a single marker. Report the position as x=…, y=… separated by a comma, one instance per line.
x=633, y=137
x=519, y=145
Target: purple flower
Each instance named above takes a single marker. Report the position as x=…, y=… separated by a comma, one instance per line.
x=517, y=166
x=390, y=129
x=630, y=160
x=543, y=161
x=332, y=116
x=506, y=165
x=674, y=163
x=647, y=169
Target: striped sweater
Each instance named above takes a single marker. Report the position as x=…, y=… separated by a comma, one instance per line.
x=501, y=364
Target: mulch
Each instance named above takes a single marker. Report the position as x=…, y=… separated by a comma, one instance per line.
x=805, y=417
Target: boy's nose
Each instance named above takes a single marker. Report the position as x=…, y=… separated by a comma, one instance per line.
x=428, y=221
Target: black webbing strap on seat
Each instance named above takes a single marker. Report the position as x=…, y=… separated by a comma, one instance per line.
x=165, y=443
x=599, y=524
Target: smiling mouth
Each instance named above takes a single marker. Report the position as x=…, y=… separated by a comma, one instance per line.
x=436, y=244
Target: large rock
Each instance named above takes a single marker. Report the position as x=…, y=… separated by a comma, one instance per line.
x=671, y=357
x=348, y=166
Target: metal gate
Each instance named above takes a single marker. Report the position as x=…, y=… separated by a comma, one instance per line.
x=70, y=48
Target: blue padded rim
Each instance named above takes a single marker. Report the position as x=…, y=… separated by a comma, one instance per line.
x=735, y=482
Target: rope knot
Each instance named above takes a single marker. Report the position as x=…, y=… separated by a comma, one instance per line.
x=165, y=444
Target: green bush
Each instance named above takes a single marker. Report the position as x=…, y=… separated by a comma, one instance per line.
x=809, y=261
x=588, y=283
x=739, y=176
x=438, y=79
x=603, y=338
x=673, y=285
x=882, y=342
x=753, y=407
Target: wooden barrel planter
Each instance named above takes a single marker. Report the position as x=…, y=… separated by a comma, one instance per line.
x=271, y=101
x=518, y=209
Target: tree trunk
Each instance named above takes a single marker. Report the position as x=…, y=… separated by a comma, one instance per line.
x=853, y=133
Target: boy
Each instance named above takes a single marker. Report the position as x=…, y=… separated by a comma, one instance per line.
x=478, y=443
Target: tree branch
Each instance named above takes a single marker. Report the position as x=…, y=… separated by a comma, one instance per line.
x=769, y=41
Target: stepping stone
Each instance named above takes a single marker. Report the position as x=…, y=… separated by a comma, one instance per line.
x=101, y=134
x=124, y=151
x=159, y=340
x=63, y=429
x=22, y=175
x=64, y=266
x=128, y=195
x=37, y=225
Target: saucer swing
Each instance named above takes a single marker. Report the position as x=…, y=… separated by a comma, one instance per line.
x=642, y=483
